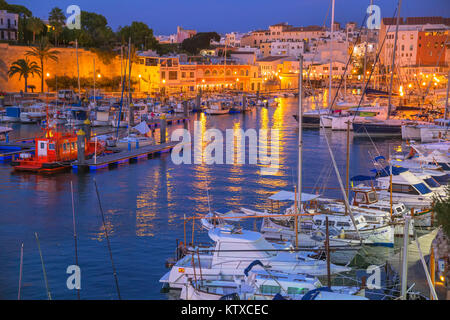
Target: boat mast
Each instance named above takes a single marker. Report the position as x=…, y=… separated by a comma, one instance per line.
x=365, y=53
x=393, y=59
x=331, y=52
x=300, y=145
x=129, y=84
x=446, y=99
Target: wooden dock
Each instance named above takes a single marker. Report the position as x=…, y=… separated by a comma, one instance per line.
x=8, y=150
x=124, y=156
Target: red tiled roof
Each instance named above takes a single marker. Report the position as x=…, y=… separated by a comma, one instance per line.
x=417, y=20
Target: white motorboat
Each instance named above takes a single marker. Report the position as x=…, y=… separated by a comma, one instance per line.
x=217, y=108
x=233, y=251
x=262, y=284
x=33, y=113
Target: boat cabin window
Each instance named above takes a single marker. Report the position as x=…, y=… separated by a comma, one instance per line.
x=51, y=146
x=342, y=224
x=295, y=290
x=432, y=183
x=403, y=188
x=268, y=289
x=372, y=196
x=422, y=188
x=360, y=197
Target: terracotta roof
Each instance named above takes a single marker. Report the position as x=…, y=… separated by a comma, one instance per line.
x=417, y=20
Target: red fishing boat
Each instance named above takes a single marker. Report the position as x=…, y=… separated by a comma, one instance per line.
x=55, y=152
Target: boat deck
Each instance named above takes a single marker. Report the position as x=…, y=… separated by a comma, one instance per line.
x=125, y=156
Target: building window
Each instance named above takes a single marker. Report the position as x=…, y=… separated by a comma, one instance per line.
x=173, y=75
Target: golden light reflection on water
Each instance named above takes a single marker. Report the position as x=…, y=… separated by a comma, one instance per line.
x=157, y=192
x=145, y=208
x=202, y=172
x=235, y=178
x=265, y=182
x=100, y=235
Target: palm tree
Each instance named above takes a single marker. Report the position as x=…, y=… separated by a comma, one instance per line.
x=43, y=52
x=56, y=19
x=36, y=26
x=24, y=68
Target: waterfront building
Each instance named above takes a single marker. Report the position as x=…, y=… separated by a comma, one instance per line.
x=8, y=25
x=233, y=39
x=322, y=70
x=172, y=75
x=282, y=48
x=282, y=32
x=421, y=41
x=183, y=34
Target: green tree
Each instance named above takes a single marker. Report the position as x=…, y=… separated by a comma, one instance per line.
x=201, y=40
x=141, y=35
x=43, y=51
x=36, y=26
x=441, y=207
x=57, y=20
x=25, y=69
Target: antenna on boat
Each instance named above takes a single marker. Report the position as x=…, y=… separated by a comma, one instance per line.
x=74, y=233
x=393, y=59
x=43, y=267
x=107, y=240
x=20, y=271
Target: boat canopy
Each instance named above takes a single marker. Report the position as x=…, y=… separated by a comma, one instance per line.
x=290, y=196
x=387, y=171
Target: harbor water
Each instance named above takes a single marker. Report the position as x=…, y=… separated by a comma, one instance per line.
x=144, y=205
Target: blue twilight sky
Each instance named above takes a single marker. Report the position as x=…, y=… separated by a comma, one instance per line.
x=222, y=16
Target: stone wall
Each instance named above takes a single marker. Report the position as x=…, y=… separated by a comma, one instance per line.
x=66, y=66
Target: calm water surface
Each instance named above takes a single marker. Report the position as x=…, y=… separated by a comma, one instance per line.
x=144, y=204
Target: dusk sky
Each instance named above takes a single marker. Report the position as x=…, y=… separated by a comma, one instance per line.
x=233, y=15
